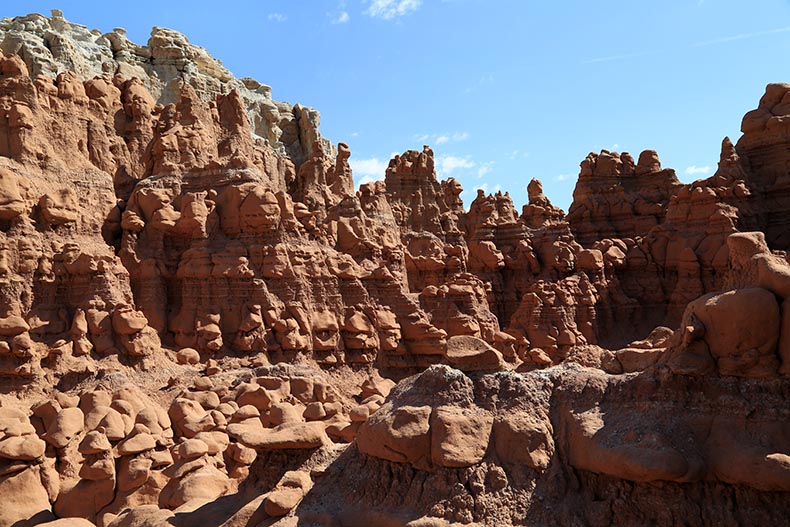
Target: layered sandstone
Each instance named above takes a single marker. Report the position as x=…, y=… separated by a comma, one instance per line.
x=617, y=198
x=202, y=321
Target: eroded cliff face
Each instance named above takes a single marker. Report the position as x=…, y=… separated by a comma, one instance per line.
x=51, y=45
x=201, y=319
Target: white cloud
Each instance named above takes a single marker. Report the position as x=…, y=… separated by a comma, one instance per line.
x=440, y=139
x=484, y=187
x=447, y=164
x=354, y=134
x=562, y=177
x=277, y=17
x=372, y=168
x=484, y=169
x=342, y=18
x=519, y=153
x=389, y=9
x=694, y=170
x=364, y=180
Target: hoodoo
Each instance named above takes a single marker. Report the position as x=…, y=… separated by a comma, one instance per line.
x=203, y=321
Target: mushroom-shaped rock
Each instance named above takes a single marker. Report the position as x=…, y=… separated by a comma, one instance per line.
x=140, y=442
x=95, y=442
x=127, y=321
x=468, y=353
x=191, y=449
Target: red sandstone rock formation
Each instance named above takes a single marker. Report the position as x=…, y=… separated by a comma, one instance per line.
x=615, y=198
x=202, y=321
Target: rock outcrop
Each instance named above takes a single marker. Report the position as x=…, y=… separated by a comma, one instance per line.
x=617, y=198
x=202, y=321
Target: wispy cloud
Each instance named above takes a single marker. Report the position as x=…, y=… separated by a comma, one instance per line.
x=339, y=15
x=342, y=18
x=389, y=9
x=740, y=36
x=694, y=170
x=484, y=80
x=277, y=17
x=440, y=139
x=485, y=169
x=704, y=43
x=562, y=177
x=618, y=57
x=515, y=154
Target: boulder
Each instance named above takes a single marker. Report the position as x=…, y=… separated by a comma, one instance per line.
x=68, y=424
x=468, y=353
x=459, y=436
x=285, y=436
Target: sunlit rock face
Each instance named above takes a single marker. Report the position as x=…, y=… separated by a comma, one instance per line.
x=202, y=320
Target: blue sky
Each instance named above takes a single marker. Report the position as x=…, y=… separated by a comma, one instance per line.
x=503, y=90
